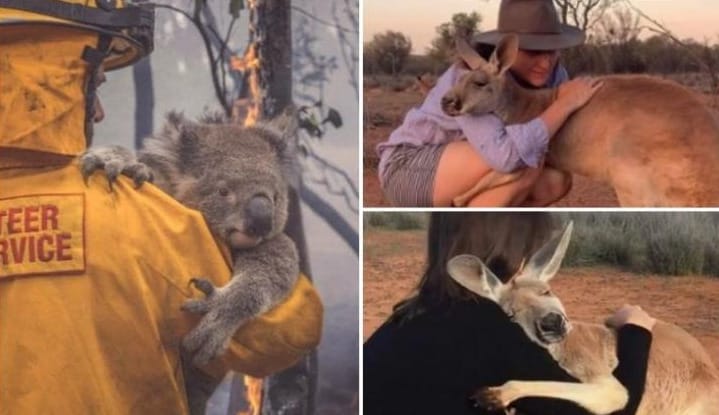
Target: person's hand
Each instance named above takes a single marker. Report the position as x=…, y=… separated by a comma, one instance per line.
x=631, y=314
x=576, y=93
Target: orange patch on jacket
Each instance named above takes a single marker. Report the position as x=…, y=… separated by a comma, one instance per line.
x=42, y=234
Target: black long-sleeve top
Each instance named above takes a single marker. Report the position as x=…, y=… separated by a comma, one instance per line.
x=432, y=363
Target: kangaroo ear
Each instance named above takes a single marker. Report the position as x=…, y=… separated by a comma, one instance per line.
x=545, y=263
x=469, y=55
x=471, y=273
x=505, y=53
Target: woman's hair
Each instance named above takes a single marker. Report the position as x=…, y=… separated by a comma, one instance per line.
x=484, y=50
x=502, y=240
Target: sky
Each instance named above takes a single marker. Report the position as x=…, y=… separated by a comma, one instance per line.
x=419, y=18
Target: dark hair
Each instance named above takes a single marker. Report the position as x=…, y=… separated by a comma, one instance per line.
x=502, y=240
x=484, y=50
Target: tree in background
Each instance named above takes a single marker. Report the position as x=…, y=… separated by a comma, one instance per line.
x=619, y=31
x=387, y=52
x=584, y=14
x=463, y=25
x=703, y=55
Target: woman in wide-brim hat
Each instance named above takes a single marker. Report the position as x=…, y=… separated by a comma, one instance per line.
x=432, y=157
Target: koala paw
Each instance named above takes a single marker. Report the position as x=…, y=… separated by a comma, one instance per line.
x=210, y=338
x=115, y=160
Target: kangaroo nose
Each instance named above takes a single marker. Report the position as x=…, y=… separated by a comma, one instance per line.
x=451, y=105
x=258, y=216
x=553, y=322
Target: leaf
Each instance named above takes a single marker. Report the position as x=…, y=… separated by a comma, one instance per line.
x=334, y=118
x=310, y=126
x=235, y=7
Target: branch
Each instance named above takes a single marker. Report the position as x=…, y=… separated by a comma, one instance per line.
x=197, y=21
x=325, y=165
x=347, y=46
x=325, y=211
x=663, y=30
x=324, y=22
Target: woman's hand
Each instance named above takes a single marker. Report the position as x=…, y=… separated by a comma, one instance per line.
x=631, y=314
x=571, y=96
x=576, y=93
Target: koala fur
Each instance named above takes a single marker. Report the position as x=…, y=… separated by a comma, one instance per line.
x=237, y=177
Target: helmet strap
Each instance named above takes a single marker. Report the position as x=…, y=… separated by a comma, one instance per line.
x=94, y=57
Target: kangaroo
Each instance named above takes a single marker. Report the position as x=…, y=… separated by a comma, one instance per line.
x=652, y=140
x=681, y=377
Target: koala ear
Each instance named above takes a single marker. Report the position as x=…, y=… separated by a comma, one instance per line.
x=187, y=140
x=281, y=133
x=213, y=117
x=169, y=143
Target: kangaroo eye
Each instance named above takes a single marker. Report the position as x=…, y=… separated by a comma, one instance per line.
x=223, y=191
x=479, y=84
x=547, y=293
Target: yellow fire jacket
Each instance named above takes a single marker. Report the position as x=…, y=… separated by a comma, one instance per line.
x=91, y=284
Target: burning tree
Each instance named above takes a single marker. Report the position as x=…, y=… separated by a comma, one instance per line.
x=257, y=83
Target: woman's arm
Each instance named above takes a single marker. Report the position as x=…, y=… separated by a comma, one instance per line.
x=633, y=347
x=528, y=361
x=506, y=148
x=509, y=147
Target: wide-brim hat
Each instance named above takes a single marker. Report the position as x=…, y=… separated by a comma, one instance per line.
x=130, y=27
x=537, y=25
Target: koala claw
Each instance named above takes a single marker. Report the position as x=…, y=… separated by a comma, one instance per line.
x=88, y=164
x=140, y=174
x=211, y=336
x=112, y=171
x=200, y=306
x=115, y=161
x=196, y=306
x=206, y=342
x=203, y=285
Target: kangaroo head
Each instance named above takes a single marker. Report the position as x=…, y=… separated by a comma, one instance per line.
x=480, y=90
x=526, y=298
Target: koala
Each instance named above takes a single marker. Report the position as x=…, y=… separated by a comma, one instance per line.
x=238, y=178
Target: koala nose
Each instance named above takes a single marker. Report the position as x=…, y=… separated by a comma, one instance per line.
x=258, y=216
x=553, y=323
x=451, y=105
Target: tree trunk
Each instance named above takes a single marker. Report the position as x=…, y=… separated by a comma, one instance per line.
x=144, y=100
x=293, y=390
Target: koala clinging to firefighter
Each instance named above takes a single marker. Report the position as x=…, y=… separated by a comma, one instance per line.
x=238, y=178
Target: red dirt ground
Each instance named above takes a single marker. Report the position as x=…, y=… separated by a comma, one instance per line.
x=393, y=262
x=384, y=110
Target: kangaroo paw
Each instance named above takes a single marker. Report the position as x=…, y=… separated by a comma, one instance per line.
x=488, y=398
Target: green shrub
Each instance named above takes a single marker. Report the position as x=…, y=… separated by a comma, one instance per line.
x=400, y=221
x=650, y=242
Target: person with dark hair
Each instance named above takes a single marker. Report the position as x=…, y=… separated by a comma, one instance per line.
x=444, y=343
x=433, y=157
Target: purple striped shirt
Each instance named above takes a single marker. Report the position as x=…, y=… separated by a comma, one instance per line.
x=505, y=148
